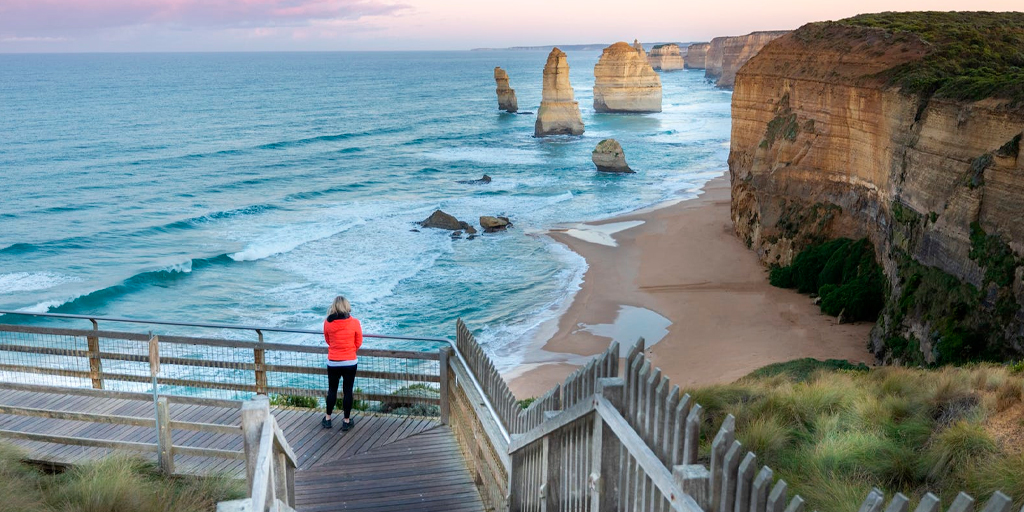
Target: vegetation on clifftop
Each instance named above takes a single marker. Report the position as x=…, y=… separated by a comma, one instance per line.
x=119, y=483
x=833, y=431
x=975, y=55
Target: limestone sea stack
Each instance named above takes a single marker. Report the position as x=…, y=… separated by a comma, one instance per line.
x=506, y=95
x=666, y=57
x=639, y=48
x=696, y=54
x=625, y=82
x=609, y=157
x=559, y=113
x=727, y=55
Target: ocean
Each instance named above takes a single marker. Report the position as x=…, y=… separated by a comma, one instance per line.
x=251, y=188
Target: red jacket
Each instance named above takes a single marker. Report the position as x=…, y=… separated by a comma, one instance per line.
x=344, y=336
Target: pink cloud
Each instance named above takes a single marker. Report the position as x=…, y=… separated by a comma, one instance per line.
x=63, y=15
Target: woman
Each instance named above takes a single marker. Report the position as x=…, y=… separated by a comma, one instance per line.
x=344, y=336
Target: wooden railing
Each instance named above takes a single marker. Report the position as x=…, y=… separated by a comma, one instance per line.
x=604, y=443
x=213, y=371
x=269, y=463
x=164, y=425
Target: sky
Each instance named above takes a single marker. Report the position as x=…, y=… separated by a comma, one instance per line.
x=361, y=25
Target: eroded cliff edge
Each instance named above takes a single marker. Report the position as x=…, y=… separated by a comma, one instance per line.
x=726, y=55
x=849, y=130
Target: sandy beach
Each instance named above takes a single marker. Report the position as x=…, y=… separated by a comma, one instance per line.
x=679, y=277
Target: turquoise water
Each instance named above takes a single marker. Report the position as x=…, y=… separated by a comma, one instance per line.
x=252, y=188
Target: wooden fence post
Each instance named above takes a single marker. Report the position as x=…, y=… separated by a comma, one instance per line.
x=163, y=423
x=551, y=473
x=694, y=480
x=446, y=353
x=606, y=454
x=95, y=364
x=254, y=413
x=260, y=363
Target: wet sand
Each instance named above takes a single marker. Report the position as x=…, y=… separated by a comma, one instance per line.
x=681, y=265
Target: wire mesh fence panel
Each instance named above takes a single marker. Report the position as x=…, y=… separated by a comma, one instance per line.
x=387, y=381
x=44, y=359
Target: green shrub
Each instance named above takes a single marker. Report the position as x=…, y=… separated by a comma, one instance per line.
x=843, y=272
x=305, y=402
x=525, y=403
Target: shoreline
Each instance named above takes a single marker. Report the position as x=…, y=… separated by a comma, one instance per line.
x=676, y=274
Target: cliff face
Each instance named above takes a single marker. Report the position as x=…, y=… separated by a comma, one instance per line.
x=823, y=147
x=506, y=95
x=726, y=55
x=666, y=57
x=625, y=82
x=559, y=113
x=696, y=55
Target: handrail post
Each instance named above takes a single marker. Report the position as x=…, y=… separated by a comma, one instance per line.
x=446, y=353
x=254, y=413
x=606, y=455
x=259, y=361
x=163, y=422
x=551, y=459
x=694, y=479
x=280, y=476
x=95, y=364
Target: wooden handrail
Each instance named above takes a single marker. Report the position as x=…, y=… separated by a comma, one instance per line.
x=270, y=462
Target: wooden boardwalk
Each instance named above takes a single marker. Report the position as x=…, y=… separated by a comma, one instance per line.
x=384, y=463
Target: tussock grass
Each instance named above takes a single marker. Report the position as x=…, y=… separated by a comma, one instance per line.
x=119, y=483
x=834, y=431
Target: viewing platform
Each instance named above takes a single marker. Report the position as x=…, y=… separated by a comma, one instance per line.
x=437, y=429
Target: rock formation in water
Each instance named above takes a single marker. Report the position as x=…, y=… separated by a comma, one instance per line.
x=442, y=220
x=625, y=82
x=506, y=95
x=666, y=57
x=482, y=181
x=726, y=55
x=696, y=54
x=828, y=142
x=559, y=113
x=639, y=48
x=494, y=224
x=609, y=157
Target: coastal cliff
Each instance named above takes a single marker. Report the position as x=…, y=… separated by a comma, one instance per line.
x=726, y=55
x=696, y=55
x=506, y=94
x=857, y=129
x=665, y=57
x=559, y=113
x=625, y=82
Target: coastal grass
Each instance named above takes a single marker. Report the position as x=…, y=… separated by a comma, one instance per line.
x=973, y=56
x=118, y=483
x=833, y=430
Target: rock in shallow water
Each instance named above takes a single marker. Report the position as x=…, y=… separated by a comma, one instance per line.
x=441, y=220
x=609, y=157
x=494, y=224
x=482, y=181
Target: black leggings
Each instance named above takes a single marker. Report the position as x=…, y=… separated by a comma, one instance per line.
x=334, y=374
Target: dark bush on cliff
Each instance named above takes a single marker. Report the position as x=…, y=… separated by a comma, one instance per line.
x=975, y=55
x=843, y=273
